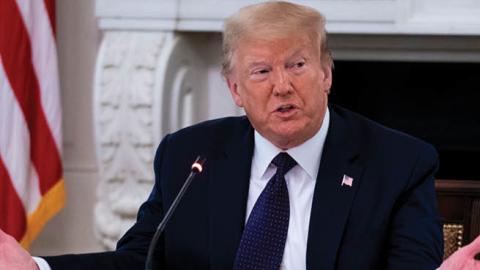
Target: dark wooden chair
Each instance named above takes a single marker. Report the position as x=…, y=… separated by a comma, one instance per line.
x=459, y=203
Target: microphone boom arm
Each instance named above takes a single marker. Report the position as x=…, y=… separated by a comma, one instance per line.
x=197, y=168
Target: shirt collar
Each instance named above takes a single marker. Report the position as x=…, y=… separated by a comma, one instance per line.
x=307, y=155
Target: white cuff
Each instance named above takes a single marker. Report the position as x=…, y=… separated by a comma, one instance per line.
x=42, y=264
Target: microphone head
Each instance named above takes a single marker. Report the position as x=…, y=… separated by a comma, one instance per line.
x=197, y=166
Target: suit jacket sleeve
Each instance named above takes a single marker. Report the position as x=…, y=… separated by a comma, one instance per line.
x=416, y=238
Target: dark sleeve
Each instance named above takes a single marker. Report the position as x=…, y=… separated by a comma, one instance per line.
x=133, y=246
x=416, y=238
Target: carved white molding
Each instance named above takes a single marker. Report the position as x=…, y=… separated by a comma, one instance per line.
x=410, y=17
x=140, y=76
x=182, y=80
x=405, y=48
x=123, y=119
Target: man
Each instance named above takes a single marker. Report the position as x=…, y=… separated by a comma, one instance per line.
x=296, y=184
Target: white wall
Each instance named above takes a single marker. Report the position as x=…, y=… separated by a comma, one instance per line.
x=78, y=38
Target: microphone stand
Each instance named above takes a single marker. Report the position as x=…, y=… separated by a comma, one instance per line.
x=197, y=168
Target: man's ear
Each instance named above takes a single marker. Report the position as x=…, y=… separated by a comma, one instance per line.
x=327, y=77
x=234, y=91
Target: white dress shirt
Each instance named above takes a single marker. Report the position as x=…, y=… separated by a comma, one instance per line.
x=300, y=183
x=42, y=264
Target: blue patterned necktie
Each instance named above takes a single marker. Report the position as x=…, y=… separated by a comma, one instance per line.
x=263, y=240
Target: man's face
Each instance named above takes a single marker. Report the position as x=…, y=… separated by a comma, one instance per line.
x=283, y=87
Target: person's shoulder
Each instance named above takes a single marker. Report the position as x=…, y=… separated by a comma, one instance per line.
x=210, y=137
x=380, y=138
x=215, y=126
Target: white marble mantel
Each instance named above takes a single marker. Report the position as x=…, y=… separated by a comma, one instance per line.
x=439, y=17
x=158, y=70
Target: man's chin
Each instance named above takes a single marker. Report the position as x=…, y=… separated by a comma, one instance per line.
x=289, y=129
x=287, y=138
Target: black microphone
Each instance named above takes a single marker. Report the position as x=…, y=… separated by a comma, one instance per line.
x=197, y=168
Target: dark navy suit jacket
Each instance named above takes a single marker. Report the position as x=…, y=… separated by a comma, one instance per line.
x=386, y=220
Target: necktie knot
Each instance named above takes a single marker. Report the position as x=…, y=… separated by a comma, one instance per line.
x=284, y=162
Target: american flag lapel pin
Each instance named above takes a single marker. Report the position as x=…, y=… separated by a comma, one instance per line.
x=347, y=180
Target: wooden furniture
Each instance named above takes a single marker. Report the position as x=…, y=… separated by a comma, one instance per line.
x=459, y=204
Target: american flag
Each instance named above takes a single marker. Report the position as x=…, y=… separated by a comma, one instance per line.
x=347, y=180
x=31, y=177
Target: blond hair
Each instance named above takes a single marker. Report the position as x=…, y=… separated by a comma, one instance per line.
x=271, y=20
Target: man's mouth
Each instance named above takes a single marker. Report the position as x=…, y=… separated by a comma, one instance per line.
x=285, y=108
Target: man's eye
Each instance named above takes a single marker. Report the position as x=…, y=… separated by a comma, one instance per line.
x=299, y=64
x=261, y=71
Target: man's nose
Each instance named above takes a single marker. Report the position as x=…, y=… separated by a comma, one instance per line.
x=281, y=83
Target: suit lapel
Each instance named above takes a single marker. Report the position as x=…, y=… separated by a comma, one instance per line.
x=332, y=201
x=228, y=190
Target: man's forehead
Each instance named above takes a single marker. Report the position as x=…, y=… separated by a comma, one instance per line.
x=261, y=51
x=253, y=58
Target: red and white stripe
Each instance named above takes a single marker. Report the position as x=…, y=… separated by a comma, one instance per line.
x=44, y=58
x=31, y=181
